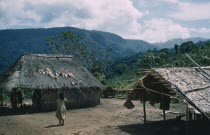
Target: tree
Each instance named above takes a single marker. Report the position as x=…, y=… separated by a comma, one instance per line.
x=88, y=53
x=176, y=47
x=147, y=61
x=70, y=44
x=162, y=57
x=121, y=68
x=187, y=47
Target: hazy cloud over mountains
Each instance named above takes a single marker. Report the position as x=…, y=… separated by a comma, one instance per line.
x=150, y=20
x=191, y=11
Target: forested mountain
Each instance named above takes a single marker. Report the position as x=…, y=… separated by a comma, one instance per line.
x=178, y=41
x=123, y=71
x=13, y=43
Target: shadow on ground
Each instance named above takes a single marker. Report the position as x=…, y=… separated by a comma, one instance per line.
x=5, y=111
x=50, y=126
x=169, y=127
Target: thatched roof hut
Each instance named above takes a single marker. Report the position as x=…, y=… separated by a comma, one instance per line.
x=188, y=84
x=50, y=74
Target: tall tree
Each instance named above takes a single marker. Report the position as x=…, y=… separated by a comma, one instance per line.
x=89, y=53
x=176, y=47
x=187, y=47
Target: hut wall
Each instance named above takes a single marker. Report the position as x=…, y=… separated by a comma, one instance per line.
x=37, y=100
x=49, y=98
x=74, y=97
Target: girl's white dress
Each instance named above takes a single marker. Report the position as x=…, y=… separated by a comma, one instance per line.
x=61, y=109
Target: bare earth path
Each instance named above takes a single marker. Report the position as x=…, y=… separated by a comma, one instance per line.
x=109, y=118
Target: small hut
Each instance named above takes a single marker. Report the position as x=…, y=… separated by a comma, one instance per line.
x=191, y=85
x=45, y=75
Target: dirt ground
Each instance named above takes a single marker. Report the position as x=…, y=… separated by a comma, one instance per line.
x=109, y=118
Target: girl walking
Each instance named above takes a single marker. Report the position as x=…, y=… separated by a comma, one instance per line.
x=61, y=109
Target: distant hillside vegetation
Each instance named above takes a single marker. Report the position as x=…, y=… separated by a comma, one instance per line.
x=122, y=74
x=13, y=43
x=178, y=41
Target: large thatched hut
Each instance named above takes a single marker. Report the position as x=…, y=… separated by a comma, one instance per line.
x=45, y=75
x=192, y=85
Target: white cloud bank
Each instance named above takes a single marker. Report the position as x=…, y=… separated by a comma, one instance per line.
x=171, y=1
x=191, y=11
x=160, y=30
x=200, y=30
x=108, y=15
x=116, y=16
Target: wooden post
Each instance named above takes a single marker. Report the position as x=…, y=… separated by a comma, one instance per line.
x=187, y=113
x=163, y=104
x=187, y=119
x=164, y=114
x=1, y=98
x=145, y=117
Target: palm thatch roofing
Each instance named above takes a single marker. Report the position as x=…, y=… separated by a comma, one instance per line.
x=190, y=84
x=47, y=71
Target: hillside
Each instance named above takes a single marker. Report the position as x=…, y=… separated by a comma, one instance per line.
x=123, y=72
x=13, y=43
x=178, y=41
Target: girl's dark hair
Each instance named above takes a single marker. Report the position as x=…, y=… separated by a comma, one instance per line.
x=61, y=96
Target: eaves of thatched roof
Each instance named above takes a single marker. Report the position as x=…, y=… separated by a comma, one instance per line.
x=47, y=71
x=191, y=84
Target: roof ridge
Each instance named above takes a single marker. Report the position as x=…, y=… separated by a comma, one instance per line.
x=50, y=55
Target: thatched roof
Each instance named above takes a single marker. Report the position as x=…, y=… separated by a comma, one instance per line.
x=47, y=71
x=191, y=84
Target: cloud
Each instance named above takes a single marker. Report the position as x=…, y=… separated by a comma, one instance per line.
x=160, y=30
x=118, y=16
x=192, y=11
x=171, y=1
x=200, y=30
x=127, y=18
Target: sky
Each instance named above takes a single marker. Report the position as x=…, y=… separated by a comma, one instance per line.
x=149, y=20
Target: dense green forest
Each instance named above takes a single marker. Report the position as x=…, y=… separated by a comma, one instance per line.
x=15, y=42
x=116, y=72
x=122, y=73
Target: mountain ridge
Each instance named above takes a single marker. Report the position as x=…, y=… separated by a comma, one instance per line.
x=178, y=41
x=15, y=42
